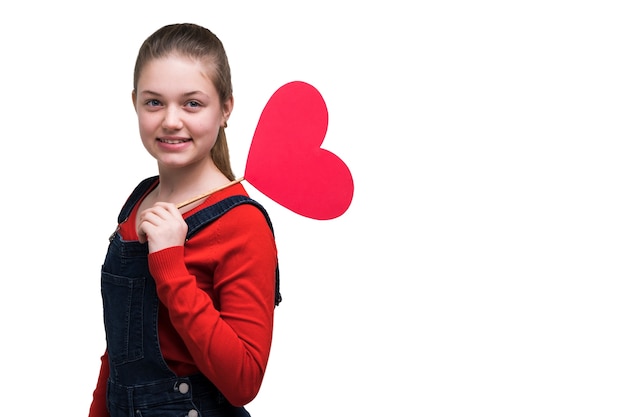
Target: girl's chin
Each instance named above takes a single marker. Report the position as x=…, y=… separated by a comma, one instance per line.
x=177, y=161
x=171, y=164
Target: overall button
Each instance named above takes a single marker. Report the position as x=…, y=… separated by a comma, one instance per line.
x=183, y=388
x=192, y=413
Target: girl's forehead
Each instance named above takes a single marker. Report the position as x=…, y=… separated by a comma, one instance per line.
x=175, y=59
x=177, y=68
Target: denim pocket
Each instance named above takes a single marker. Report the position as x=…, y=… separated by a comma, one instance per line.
x=122, y=299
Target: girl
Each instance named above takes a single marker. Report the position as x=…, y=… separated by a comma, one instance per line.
x=188, y=290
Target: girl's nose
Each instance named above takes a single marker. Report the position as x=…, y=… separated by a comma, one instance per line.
x=172, y=119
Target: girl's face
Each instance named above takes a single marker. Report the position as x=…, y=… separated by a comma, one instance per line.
x=179, y=111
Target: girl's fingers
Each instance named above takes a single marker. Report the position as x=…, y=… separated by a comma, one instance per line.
x=161, y=225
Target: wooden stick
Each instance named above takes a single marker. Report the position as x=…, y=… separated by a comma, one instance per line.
x=201, y=196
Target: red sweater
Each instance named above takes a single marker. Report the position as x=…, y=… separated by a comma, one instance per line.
x=216, y=301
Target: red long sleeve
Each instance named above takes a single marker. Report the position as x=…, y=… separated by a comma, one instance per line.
x=219, y=291
x=217, y=301
x=98, y=405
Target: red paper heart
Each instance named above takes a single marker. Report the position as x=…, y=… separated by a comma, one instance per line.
x=286, y=161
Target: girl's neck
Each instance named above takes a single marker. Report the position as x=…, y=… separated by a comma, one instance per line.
x=179, y=185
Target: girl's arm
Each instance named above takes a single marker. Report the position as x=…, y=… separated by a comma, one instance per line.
x=98, y=405
x=219, y=291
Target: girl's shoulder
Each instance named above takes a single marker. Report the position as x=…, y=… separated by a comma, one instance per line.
x=136, y=196
x=234, y=208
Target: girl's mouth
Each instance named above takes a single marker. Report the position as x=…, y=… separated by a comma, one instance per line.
x=172, y=141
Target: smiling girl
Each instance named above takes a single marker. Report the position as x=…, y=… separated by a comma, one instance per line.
x=188, y=291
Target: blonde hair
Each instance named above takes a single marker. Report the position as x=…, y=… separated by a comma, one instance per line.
x=194, y=41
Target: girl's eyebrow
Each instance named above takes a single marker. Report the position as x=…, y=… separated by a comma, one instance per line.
x=154, y=93
x=150, y=92
x=193, y=93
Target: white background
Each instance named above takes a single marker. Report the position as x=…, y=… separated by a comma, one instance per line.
x=480, y=268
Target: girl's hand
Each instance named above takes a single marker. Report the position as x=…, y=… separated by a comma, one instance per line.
x=162, y=226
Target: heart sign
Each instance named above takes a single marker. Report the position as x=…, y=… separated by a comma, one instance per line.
x=286, y=161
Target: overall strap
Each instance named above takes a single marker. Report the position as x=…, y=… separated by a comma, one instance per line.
x=137, y=193
x=198, y=220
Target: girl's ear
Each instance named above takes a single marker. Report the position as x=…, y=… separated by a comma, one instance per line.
x=227, y=109
x=134, y=97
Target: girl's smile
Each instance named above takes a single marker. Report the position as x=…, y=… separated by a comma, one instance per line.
x=172, y=144
x=172, y=140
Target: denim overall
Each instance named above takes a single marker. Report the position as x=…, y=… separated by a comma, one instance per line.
x=140, y=382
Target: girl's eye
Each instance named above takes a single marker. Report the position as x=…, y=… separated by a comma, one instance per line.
x=153, y=103
x=193, y=103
